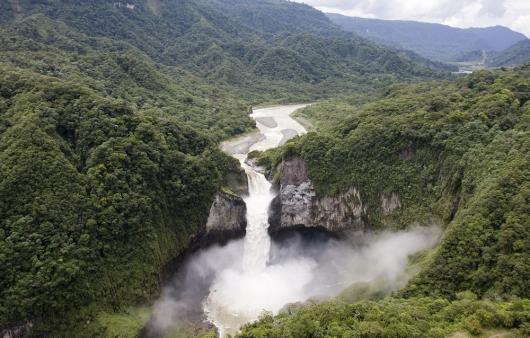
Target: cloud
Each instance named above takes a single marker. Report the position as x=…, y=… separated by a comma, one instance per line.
x=493, y=7
x=464, y=13
x=216, y=281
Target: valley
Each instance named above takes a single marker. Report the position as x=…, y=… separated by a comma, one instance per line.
x=159, y=177
x=264, y=274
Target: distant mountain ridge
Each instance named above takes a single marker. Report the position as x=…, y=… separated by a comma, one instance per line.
x=516, y=55
x=238, y=43
x=434, y=41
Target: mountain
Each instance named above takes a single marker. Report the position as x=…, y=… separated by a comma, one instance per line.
x=497, y=38
x=110, y=118
x=453, y=153
x=234, y=42
x=433, y=41
x=515, y=55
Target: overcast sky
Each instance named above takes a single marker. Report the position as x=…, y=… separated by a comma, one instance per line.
x=459, y=13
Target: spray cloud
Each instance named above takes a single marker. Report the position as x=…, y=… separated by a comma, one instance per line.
x=299, y=269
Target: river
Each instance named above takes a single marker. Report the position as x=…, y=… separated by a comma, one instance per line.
x=233, y=284
x=276, y=126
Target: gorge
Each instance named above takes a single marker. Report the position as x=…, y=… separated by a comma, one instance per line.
x=255, y=274
x=128, y=207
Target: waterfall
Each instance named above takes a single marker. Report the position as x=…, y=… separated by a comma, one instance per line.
x=223, y=308
x=237, y=282
x=257, y=241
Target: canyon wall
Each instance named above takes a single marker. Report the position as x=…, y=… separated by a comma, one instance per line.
x=227, y=218
x=299, y=206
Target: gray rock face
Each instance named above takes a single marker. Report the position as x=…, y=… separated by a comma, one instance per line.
x=227, y=218
x=238, y=182
x=389, y=203
x=18, y=331
x=298, y=206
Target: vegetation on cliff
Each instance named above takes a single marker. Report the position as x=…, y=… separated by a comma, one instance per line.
x=391, y=317
x=457, y=150
x=96, y=196
x=110, y=116
x=454, y=150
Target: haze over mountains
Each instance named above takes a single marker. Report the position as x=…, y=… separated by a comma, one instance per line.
x=434, y=41
x=515, y=55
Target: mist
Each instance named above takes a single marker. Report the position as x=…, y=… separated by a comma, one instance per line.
x=213, y=285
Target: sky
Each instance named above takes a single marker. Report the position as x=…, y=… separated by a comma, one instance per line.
x=458, y=13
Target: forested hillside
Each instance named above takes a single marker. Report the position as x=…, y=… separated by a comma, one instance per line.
x=516, y=55
x=456, y=151
x=451, y=149
x=276, y=48
x=434, y=41
x=110, y=117
x=96, y=196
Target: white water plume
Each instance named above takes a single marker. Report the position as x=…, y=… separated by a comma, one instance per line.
x=239, y=281
x=257, y=241
x=229, y=305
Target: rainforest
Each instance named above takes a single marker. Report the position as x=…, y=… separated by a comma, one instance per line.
x=256, y=168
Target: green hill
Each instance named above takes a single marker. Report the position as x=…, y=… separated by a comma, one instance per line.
x=229, y=41
x=433, y=41
x=515, y=55
x=453, y=151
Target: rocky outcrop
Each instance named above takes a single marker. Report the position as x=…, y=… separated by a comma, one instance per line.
x=17, y=331
x=389, y=203
x=237, y=181
x=227, y=218
x=298, y=206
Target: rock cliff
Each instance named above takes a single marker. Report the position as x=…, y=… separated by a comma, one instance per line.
x=298, y=206
x=18, y=331
x=227, y=218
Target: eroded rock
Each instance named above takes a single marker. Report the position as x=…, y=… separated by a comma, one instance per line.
x=227, y=218
x=389, y=203
x=298, y=206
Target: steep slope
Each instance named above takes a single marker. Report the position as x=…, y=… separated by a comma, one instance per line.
x=515, y=55
x=117, y=69
x=273, y=17
x=498, y=38
x=110, y=116
x=434, y=41
x=96, y=196
x=228, y=42
x=454, y=152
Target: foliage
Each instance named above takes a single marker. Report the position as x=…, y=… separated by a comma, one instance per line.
x=120, y=71
x=391, y=317
x=96, y=196
x=455, y=151
x=126, y=324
